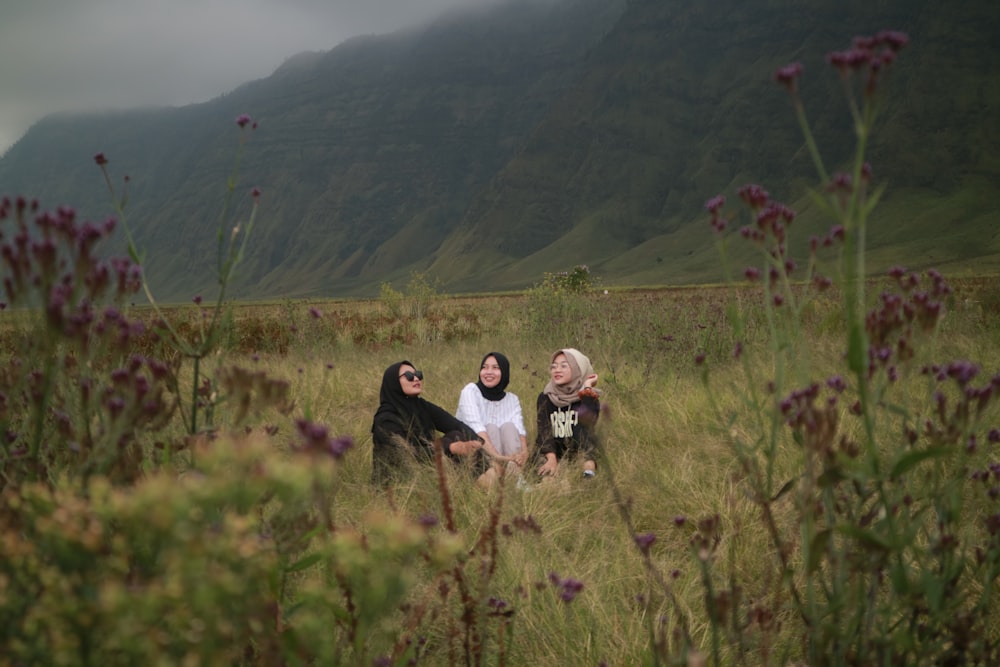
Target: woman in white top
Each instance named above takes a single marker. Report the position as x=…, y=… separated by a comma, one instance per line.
x=493, y=413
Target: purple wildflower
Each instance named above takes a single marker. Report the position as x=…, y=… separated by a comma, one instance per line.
x=317, y=440
x=116, y=404
x=645, y=541
x=822, y=282
x=788, y=75
x=962, y=371
x=851, y=59
x=893, y=39
x=527, y=524
x=496, y=604
x=754, y=196
x=840, y=182
x=715, y=203
x=570, y=589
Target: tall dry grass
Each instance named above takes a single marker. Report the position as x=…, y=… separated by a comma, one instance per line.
x=663, y=450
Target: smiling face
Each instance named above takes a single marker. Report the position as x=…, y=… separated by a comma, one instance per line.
x=490, y=374
x=410, y=387
x=560, y=371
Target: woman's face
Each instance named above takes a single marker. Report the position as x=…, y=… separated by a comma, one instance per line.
x=490, y=374
x=560, y=370
x=411, y=387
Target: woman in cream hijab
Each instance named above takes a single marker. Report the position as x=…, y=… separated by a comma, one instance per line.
x=568, y=408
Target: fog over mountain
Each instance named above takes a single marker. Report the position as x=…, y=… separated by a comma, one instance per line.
x=58, y=56
x=492, y=145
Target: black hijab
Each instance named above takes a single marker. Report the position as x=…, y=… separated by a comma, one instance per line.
x=395, y=407
x=495, y=393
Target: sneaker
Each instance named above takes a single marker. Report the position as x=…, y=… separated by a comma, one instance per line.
x=588, y=474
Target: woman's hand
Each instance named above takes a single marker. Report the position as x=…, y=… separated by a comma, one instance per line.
x=465, y=447
x=520, y=458
x=590, y=381
x=491, y=451
x=549, y=467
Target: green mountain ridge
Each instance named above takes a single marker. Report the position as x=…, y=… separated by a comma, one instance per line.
x=493, y=145
x=649, y=100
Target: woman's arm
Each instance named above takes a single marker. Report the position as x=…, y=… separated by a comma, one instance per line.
x=469, y=410
x=388, y=443
x=517, y=417
x=446, y=423
x=545, y=442
x=388, y=432
x=490, y=448
x=521, y=457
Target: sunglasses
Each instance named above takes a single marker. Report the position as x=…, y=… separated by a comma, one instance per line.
x=413, y=375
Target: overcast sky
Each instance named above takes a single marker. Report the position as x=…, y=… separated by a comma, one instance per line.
x=79, y=55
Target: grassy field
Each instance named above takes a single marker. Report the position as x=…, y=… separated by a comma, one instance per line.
x=683, y=548
x=668, y=463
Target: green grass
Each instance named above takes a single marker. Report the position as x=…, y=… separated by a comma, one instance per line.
x=664, y=450
x=666, y=455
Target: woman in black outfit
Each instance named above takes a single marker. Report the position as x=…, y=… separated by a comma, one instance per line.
x=405, y=426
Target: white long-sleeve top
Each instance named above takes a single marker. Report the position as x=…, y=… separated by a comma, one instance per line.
x=477, y=412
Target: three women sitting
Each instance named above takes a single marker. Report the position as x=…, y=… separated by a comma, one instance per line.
x=489, y=422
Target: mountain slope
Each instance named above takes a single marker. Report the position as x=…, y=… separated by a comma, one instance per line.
x=366, y=154
x=493, y=145
x=678, y=105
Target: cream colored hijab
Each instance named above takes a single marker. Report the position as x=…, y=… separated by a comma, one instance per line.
x=563, y=395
